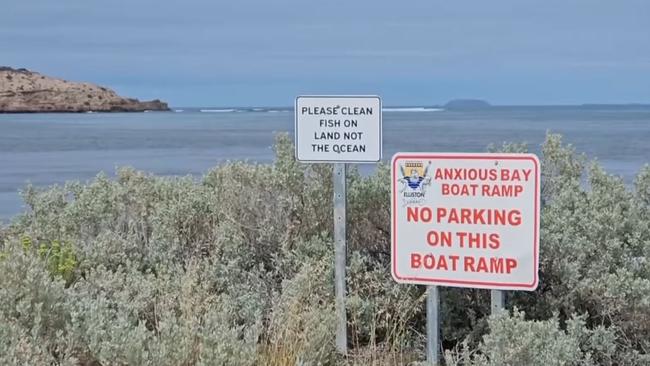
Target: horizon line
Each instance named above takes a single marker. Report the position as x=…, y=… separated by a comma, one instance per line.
x=291, y=107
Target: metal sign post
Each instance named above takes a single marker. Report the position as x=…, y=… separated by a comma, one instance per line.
x=339, y=256
x=433, y=325
x=497, y=300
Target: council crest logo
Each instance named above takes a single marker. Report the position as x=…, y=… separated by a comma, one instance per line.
x=414, y=177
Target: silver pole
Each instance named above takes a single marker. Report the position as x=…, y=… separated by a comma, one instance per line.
x=339, y=256
x=433, y=325
x=497, y=300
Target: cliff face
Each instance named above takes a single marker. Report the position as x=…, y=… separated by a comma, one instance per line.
x=22, y=90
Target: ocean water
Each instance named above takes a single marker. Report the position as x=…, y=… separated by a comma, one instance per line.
x=47, y=149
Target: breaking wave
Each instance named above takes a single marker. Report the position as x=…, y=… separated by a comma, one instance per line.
x=412, y=109
x=288, y=110
x=228, y=110
x=246, y=110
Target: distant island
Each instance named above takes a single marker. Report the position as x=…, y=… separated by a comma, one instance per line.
x=25, y=91
x=466, y=104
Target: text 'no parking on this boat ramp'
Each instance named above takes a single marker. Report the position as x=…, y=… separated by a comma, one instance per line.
x=466, y=220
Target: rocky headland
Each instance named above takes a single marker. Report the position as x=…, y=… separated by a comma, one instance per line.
x=25, y=91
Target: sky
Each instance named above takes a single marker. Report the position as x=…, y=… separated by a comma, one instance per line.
x=265, y=53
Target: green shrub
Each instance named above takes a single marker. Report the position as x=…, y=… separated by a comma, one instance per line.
x=33, y=313
x=515, y=341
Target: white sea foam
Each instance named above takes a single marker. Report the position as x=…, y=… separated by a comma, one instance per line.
x=412, y=109
x=229, y=110
x=178, y=110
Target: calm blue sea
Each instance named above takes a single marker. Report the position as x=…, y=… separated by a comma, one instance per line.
x=47, y=149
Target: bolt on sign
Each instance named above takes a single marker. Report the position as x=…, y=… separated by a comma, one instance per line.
x=466, y=220
x=333, y=129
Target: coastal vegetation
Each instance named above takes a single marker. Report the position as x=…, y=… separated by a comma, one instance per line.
x=236, y=269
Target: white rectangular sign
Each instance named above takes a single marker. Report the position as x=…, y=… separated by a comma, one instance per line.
x=465, y=220
x=338, y=129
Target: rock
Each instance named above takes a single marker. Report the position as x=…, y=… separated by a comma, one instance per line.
x=466, y=104
x=24, y=91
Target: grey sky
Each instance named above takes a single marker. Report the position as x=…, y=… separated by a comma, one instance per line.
x=244, y=52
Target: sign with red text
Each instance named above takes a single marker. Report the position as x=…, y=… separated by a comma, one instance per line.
x=465, y=220
x=338, y=128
